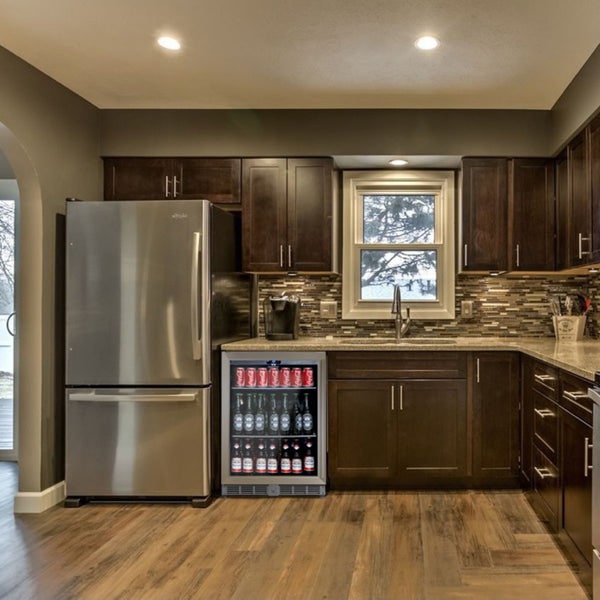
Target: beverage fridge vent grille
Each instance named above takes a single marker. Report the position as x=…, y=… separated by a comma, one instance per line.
x=273, y=490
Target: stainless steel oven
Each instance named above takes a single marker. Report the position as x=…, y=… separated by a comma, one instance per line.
x=594, y=394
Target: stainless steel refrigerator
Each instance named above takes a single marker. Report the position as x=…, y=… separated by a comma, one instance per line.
x=152, y=290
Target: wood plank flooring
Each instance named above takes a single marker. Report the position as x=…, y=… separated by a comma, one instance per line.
x=390, y=545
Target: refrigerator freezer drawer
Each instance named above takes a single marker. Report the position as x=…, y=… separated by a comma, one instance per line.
x=137, y=443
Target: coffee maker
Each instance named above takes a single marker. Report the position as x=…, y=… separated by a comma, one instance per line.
x=282, y=317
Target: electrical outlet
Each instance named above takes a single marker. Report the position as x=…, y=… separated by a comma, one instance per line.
x=328, y=309
x=466, y=308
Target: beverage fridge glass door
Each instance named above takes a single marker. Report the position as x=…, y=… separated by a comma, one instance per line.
x=273, y=423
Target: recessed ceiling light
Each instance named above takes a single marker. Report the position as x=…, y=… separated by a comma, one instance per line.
x=169, y=43
x=427, y=42
x=398, y=162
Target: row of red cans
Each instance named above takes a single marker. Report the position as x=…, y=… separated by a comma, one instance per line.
x=274, y=377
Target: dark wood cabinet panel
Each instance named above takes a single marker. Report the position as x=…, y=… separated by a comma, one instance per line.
x=264, y=214
x=594, y=148
x=496, y=416
x=309, y=210
x=136, y=178
x=580, y=227
x=287, y=214
x=546, y=489
x=561, y=173
x=484, y=214
x=432, y=430
x=532, y=215
x=361, y=433
x=214, y=179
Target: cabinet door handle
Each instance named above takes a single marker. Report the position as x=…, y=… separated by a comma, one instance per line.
x=166, y=186
x=544, y=412
x=289, y=257
x=586, y=456
x=544, y=472
x=518, y=256
x=281, y=255
x=477, y=369
x=401, y=397
x=175, y=186
x=393, y=393
x=580, y=240
x=465, y=261
x=543, y=378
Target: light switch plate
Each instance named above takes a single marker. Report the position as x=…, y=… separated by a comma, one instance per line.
x=466, y=308
x=328, y=309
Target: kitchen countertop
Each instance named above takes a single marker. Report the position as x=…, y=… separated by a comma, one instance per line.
x=580, y=358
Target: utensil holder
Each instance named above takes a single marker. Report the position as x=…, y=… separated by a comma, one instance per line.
x=569, y=329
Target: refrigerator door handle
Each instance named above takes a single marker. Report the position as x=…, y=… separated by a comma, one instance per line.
x=197, y=295
x=93, y=397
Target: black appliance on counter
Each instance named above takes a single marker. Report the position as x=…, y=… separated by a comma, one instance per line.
x=282, y=317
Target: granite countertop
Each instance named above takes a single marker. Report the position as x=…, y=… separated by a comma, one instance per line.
x=580, y=358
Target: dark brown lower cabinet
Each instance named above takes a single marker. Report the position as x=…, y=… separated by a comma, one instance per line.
x=495, y=387
x=397, y=433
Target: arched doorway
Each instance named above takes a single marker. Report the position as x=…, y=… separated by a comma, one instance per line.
x=28, y=308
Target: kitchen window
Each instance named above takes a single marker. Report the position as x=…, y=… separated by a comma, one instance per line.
x=398, y=228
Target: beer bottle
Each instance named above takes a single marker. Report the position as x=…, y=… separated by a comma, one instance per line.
x=296, y=459
x=249, y=414
x=260, y=416
x=261, y=458
x=273, y=417
x=286, y=463
x=238, y=418
x=236, y=458
x=297, y=415
x=307, y=418
x=309, y=459
x=248, y=458
x=272, y=462
x=285, y=420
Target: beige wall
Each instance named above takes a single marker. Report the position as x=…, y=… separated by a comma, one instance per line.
x=49, y=137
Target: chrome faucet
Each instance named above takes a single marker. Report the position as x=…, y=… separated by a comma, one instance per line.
x=402, y=326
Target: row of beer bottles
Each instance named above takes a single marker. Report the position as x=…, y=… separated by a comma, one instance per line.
x=261, y=458
x=253, y=415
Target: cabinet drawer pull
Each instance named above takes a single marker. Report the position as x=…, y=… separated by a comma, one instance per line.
x=166, y=186
x=544, y=412
x=574, y=396
x=544, y=472
x=401, y=397
x=518, y=256
x=477, y=369
x=544, y=378
x=582, y=239
x=281, y=255
x=393, y=393
x=586, y=456
x=465, y=255
x=289, y=257
x=175, y=186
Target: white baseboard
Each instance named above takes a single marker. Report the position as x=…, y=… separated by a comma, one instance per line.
x=37, y=502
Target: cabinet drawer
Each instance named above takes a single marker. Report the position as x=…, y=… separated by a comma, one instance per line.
x=546, y=488
x=545, y=380
x=574, y=398
x=397, y=365
x=545, y=424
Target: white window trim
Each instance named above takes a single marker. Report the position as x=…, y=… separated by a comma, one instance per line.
x=355, y=185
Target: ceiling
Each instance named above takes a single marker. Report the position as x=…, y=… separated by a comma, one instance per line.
x=495, y=54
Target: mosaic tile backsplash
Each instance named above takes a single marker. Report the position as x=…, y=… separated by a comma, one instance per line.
x=503, y=306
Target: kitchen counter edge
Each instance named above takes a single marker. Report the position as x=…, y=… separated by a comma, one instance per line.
x=580, y=358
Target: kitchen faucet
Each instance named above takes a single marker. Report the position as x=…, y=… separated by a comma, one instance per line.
x=402, y=326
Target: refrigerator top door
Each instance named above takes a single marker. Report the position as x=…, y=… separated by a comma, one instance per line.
x=138, y=293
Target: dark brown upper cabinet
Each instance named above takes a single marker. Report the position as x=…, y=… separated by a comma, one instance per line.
x=484, y=214
x=531, y=232
x=214, y=179
x=287, y=208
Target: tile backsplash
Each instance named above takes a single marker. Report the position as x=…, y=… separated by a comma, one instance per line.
x=502, y=306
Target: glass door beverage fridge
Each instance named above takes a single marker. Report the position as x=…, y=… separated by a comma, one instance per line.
x=274, y=424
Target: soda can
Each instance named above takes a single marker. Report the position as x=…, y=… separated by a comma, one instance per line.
x=250, y=376
x=240, y=377
x=307, y=377
x=285, y=377
x=262, y=377
x=273, y=376
x=296, y=377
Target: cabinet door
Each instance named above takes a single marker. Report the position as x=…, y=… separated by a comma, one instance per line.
x=485, y=214
x=531, y=204
x=576, y=439
x=580, y=226
x=264, y=215
x=138, y=178
x=309, y=213
x=594, y=129
x=561, y=173
x=496, y=416
x=361, y=433
x=214, y=179
x=432, y=430
x=526, y=421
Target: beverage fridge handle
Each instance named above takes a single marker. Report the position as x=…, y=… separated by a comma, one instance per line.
x=196, y=297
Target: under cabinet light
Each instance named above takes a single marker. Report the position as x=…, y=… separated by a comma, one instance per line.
x=398, y=162
x=169, y=43
x=427, y=42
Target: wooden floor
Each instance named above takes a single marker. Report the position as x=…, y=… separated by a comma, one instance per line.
x=397, y=545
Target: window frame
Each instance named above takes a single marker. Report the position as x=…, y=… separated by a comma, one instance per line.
x=357, y=184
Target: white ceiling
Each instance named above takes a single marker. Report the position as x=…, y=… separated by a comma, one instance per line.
x=504, y=54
